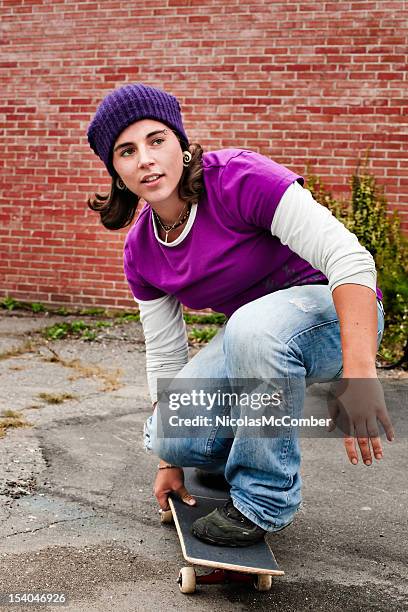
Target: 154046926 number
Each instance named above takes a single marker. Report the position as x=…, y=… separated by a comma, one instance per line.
x=33, y=598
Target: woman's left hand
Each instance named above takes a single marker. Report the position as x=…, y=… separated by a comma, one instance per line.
x=356, y=405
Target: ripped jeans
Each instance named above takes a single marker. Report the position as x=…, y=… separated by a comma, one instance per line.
x=290, y=334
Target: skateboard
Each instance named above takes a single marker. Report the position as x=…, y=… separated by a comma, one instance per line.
x=254, y=564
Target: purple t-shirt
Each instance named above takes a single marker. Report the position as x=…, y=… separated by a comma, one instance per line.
x=229, y=257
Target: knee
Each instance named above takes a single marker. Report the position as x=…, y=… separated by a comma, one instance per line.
x=241, y=332
x=247, y=339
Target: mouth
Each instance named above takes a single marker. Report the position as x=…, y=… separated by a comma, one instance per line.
x=150, y=183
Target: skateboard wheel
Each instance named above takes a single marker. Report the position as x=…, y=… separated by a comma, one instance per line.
x=187, y=580
x=263, y=582
x=166, y=517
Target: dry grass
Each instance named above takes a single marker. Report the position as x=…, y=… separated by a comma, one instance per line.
x=56, y=398
x=27, y=347
x=10, y=419
x=111, y=378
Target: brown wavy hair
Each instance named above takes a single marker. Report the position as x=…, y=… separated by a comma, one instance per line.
x=117, y=208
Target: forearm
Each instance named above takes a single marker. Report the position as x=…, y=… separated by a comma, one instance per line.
x=356, y=307
x=166, y=339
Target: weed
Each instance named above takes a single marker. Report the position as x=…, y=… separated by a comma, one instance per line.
x=37, y=307
x=13, y=414
x=57, y=331
x=200, y=336
x=27, y=347
x=10, y=303
x=56, y=398
x=92, y=311
x=127, y=317
x=216, y=318
x=11, y=419
x=111, y=379
x=62, y=311
x=89, y=335
x=78, y=326
x=61, y=330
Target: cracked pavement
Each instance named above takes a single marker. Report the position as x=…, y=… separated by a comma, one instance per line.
x=77, y=513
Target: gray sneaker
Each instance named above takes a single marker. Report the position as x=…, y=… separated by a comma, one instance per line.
x=227, y=526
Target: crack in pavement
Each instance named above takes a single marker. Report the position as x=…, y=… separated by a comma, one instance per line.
x=87, y=420
x=79, y=518
x=69, y=497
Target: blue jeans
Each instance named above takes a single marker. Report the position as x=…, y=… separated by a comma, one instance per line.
x=290, y=334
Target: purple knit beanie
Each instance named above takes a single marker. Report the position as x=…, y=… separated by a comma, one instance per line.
x=126, y=105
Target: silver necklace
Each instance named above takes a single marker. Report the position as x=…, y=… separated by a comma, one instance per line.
x=179, y=221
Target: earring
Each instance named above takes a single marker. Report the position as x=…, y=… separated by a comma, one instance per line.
x=186, y=158
x=120, y=184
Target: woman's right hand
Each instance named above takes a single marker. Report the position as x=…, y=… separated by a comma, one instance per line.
x=171, y=480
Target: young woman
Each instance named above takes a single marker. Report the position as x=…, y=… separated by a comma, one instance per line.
x=234, y=231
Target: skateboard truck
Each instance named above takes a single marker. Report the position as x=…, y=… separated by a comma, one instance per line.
x=188, y=579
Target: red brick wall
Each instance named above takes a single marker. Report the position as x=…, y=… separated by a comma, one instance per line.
x=295, y=80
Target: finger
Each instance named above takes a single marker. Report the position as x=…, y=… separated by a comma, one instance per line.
x=360, y=428
x=163, y=497
x=388, y=428
x=185, y=496
x=365, y=450
x=351, y=450
x=374, y=436
x=363, y=440
x=377, y=447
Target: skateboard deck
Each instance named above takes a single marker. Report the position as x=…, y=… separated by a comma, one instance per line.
x=244, y=564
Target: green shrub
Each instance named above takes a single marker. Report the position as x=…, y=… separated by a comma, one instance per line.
x=379, y=231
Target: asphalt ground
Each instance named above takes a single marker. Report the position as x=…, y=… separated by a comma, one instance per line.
x=77, y=513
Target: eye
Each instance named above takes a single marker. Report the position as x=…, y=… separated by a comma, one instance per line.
x=158, y=140
x=127, y=152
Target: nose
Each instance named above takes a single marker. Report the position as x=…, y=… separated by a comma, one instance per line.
x=144, y=158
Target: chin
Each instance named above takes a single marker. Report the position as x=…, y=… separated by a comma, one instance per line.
x=156, y=198
x=159, y=196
